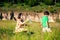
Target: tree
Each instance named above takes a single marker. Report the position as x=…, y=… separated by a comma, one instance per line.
x=48, y=2
x=31, y=2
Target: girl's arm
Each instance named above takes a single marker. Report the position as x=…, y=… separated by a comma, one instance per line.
x=25, y=21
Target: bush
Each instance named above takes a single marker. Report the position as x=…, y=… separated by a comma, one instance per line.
x=57, y=4
x=52, y=9
x=7, y=4
x=31, y=3
x=48, y=2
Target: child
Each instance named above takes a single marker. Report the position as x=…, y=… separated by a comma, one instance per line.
x=44, y=22
x=20, y=23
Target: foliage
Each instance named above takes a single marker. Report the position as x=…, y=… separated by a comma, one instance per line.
x=52, y=9
x=29, y=5
x=48, y=2
x=31, y=2
x=57, y=4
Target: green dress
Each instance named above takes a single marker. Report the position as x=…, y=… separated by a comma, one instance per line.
x=44, y=21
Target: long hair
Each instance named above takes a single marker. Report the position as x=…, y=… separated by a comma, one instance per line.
x=19, y=15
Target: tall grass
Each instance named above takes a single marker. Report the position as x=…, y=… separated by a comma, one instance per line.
x=34, y=32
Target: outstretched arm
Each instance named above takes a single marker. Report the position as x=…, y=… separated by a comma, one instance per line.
x=24, y=21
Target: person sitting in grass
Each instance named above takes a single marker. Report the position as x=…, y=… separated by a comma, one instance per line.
x=45, y=23
x=20, y=23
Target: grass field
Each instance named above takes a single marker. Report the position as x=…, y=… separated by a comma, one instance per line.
x=34, y=31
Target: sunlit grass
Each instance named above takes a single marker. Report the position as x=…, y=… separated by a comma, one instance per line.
x=34, y=31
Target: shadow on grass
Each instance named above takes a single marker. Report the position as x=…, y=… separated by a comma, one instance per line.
x=10, y=32
x=7, y=32
x=29, y=34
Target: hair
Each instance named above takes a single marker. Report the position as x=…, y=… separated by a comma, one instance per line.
x=19, y=15
x=46, y=13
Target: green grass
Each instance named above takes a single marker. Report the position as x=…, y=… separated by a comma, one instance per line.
x=34, y=31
